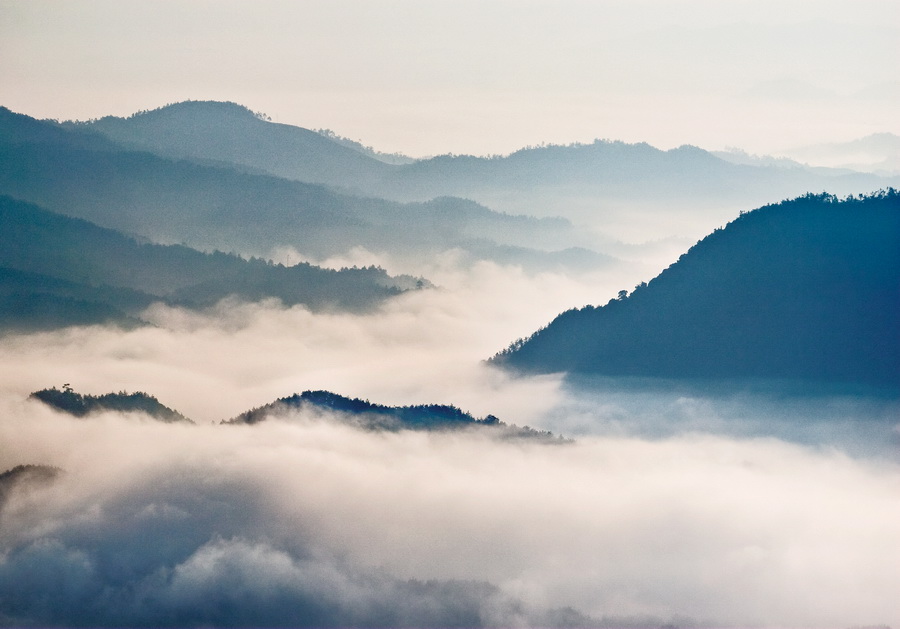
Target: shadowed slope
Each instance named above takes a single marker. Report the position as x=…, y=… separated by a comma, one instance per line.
x=209, y=206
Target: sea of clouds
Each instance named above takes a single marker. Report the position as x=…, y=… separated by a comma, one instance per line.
x=667, y=508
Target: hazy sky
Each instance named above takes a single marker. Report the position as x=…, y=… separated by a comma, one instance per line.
x=470, y=76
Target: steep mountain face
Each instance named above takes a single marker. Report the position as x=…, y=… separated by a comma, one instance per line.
x=368, y=416
x=218, y=207
x=805, y=289
x=76, y=272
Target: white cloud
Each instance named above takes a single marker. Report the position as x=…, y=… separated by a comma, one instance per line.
x=738, y=532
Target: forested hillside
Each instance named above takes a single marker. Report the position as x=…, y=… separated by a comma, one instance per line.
x=805, y=289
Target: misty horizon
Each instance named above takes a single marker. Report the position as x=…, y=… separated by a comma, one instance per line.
x=435, y=81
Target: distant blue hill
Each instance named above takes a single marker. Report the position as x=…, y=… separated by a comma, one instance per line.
x=544, y=180
x=170, y=176
x=231, y=133
x=806, y=289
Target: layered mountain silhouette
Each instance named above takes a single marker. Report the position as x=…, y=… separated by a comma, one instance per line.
x=56, y=270
x=209, y=204
x=806, y=289
x=369, y=416
x=543, y=180
x=81, y=405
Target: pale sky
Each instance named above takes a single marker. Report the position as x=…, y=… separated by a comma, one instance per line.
x=465, y=76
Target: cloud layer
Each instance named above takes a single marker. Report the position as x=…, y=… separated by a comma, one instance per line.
x=301, y=522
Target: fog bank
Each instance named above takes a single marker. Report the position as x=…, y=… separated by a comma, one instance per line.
x=165, y=524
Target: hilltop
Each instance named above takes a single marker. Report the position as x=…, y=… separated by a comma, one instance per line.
x=370, y=416
x=81, y=405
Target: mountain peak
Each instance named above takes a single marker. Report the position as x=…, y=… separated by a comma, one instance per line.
x=190, y=108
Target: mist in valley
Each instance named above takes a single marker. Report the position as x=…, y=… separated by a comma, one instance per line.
x=302, y=522
x=671, y=505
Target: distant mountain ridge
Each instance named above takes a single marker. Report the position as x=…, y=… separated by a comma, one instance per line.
x=220, y=206
x=233, y=133
x=25, y=478
x=807, y=289
x=387, y=158
x=518, y=183
x=74, y=271
x=31, y=302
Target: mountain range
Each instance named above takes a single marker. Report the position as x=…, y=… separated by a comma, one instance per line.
x=217, y=176
x=22, y=478
x=94, y=210
x=210, y=204
x=803, y=290
x=577, y=181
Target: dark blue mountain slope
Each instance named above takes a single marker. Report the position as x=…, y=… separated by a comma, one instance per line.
x=806, y=289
